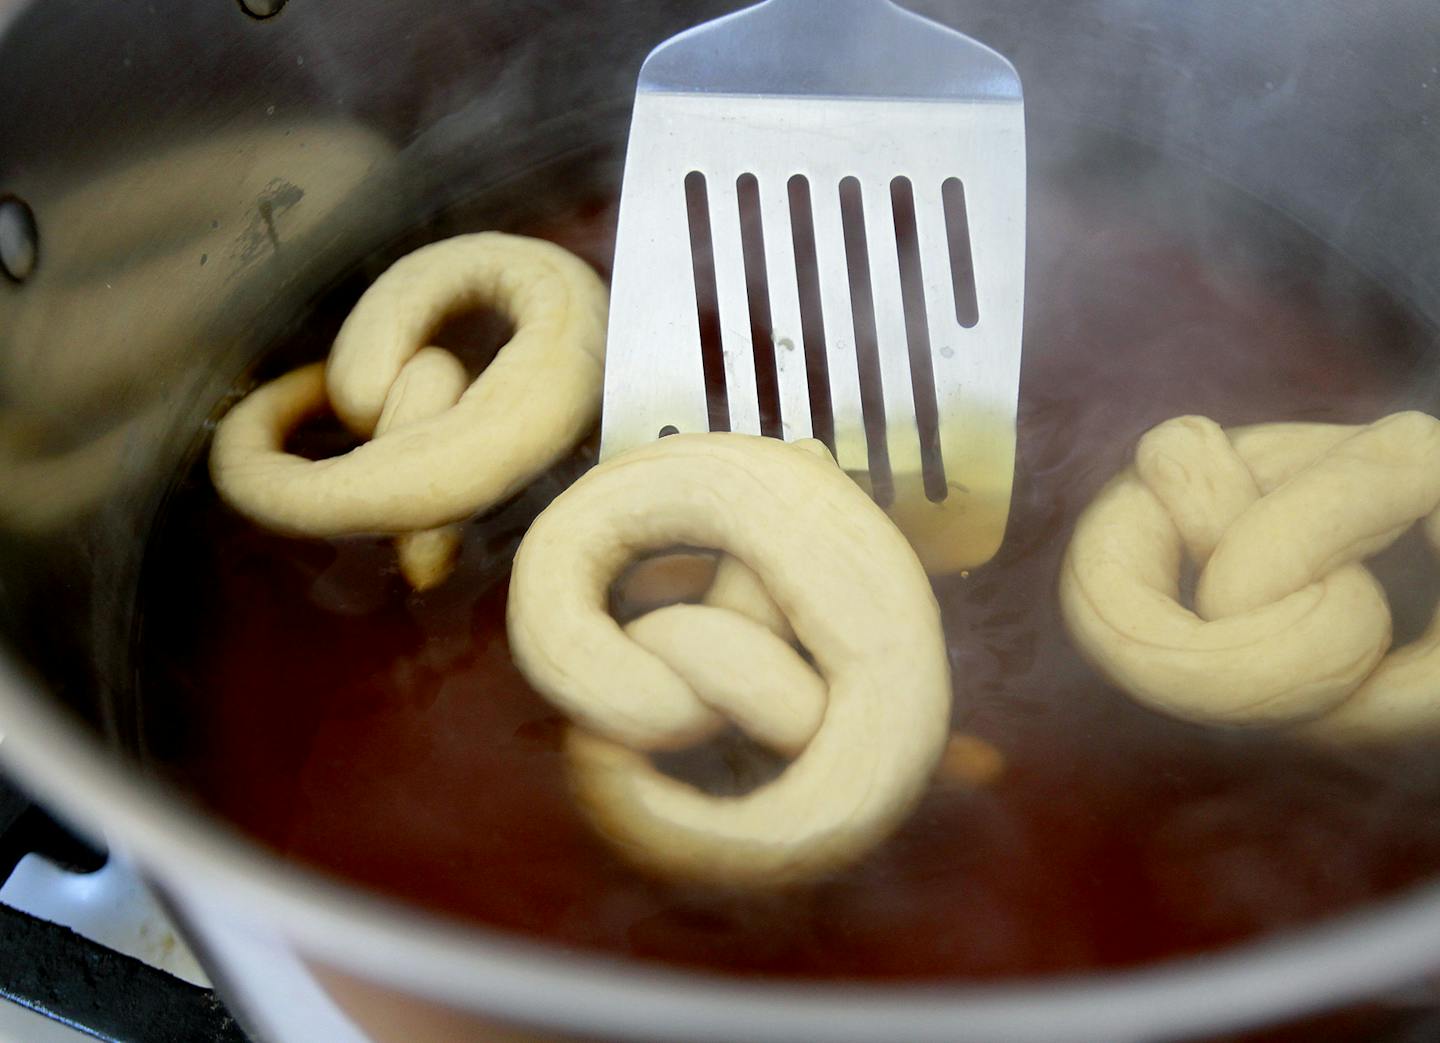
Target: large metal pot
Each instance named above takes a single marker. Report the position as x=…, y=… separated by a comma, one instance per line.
x=196, y=170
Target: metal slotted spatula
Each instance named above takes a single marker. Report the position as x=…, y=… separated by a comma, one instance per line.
x=822, y=233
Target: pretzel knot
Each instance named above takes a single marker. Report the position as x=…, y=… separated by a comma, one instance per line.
x=1289, y=627
x=439, y=448
x=866, y=725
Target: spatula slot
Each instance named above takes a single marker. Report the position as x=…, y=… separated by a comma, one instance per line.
x=962, y=260
x=812, y=318
x=707, y=308
x=757, y=294
x=862, y=310
x=917, y=335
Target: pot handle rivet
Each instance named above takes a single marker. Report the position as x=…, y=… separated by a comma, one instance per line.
x=19, y=239
x=261, y=8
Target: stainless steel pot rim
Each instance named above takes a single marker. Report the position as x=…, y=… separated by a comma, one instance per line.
x=1339, y=960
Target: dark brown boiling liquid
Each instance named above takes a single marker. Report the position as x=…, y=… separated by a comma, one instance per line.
x=304, y=693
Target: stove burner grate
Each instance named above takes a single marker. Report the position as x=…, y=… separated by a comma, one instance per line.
x=55, y=972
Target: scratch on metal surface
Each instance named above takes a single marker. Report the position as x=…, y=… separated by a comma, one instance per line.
x=263, y=229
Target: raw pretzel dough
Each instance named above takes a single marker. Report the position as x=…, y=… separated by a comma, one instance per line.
x=1289, y=627
x=870, y=728
x=440, y=451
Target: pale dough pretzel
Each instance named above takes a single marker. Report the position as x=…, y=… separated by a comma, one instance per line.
x=726, y=582
x=840, y=573
x=430, y=383
x=1289, y=627
x=440, y=451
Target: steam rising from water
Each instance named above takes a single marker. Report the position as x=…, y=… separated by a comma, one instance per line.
x=1114, y=837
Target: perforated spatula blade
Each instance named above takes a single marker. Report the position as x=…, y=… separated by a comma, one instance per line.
x=892, y=151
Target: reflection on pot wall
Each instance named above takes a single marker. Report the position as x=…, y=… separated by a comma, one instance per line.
x=148, y=263
x=129, y=293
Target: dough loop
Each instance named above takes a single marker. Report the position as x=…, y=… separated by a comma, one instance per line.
x=438, y=450
x=866, y=724
x=1289, y=627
